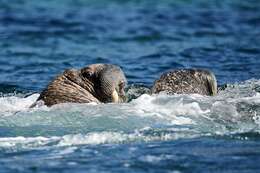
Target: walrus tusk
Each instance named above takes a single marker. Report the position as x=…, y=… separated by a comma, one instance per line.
x=115, y=98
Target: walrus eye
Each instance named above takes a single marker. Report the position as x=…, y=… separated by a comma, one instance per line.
x=121, y=85
x=87, y=74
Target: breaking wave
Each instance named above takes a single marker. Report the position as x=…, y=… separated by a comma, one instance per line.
x=234, y=111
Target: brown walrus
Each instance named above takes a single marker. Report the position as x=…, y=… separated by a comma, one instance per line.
x=100, y=83
x=186, y=81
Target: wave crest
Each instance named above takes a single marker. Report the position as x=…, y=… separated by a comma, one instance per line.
x=234, y=110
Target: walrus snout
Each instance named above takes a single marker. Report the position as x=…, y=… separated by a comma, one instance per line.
x=94, y=83
x=112, y=82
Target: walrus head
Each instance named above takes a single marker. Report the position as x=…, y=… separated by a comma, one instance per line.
x=109, y=82
x=186, y=81
x=100, y=83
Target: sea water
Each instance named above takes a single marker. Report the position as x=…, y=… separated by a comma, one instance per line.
x=150, y=133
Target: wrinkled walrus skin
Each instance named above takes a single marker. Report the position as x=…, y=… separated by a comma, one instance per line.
x=100, y=83
x=186, y=81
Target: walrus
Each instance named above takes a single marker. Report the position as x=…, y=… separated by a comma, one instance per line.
x=186, y=81
x=100, y=83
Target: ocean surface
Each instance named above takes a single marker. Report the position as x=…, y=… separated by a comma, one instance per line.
x=151, y=133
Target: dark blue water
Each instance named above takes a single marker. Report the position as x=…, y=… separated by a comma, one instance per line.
x=183, y=133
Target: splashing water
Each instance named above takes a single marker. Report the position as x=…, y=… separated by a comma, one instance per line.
x=150, y=133
x=160, y=117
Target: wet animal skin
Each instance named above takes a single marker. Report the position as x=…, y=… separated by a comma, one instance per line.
x=104, y=83
x=186, y=81
x=100, y=83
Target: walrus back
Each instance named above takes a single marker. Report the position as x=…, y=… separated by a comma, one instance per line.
x=65, y=88
x=186, y=81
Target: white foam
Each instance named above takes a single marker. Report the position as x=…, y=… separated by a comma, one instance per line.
x=231, y=111
x=171, y=107
x=92, y=138
x=14, y=103
x=21, y=141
